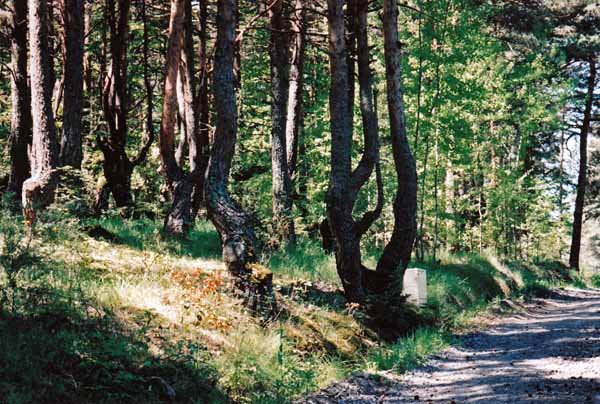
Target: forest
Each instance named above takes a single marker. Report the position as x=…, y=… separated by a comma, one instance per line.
x=217, y=201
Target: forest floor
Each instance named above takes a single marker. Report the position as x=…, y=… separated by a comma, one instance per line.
x=547, y=353
x=108, y=310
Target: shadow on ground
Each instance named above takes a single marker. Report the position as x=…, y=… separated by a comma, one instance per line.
x=551, y=354
x=72, y=351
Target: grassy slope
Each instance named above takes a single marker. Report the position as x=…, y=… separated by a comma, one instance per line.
x=132, y=319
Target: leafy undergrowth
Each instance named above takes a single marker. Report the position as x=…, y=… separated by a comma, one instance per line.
x=107, y=310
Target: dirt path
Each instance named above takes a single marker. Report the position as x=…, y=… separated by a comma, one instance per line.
x=548, y=354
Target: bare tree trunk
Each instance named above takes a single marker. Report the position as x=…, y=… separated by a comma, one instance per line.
x=283, y=223
x=396, y=254
x=20, y=123
x=71, y=153
x=339, y=205
x=38, y=190
x=117, y=167
x=202, y=109
x=182, y=150
x=115, y=104
x=449, y=206
x=52, y=43
x=166, y=140
x=295, y=116
x=582, y=177
x=345, y=184
x=232, y=223
x=150, y=134
x=179, y=218
x=87, y=60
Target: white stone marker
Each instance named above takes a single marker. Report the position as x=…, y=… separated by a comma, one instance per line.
x=415, y=286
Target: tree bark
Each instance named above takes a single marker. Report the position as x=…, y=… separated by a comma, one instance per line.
x=178, y=219
x=295, y=116
x=20, y=123
x=582, y=176
x=370, y=124
x=150, y=133
x=117, y=167
x=339, y=205
x=283, y=223
x=38, y=190
x=232, y=223
x=87, y=59
x=396, y=254
x=71, y=152
x=203, y=110
x=346, y=183
x=182, y=150
x=166, y=140
x=115, y=104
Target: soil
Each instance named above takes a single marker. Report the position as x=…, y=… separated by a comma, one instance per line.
x=548, y=353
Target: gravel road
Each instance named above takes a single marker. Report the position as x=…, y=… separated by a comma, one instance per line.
x=549, y=353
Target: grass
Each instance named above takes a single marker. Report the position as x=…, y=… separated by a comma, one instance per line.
x=140, y=317
x=304, y=260
x=145, y=234
x=408, y=352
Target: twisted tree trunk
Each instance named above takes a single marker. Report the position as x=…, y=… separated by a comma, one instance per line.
x=178, y=218
x=232, y=223
x=396, y=254
x=117, y=166
x=179, y=78
x=20, y=122
x=38, y=190
x=346, y=183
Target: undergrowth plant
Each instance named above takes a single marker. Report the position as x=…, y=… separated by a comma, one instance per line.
x=16, y=252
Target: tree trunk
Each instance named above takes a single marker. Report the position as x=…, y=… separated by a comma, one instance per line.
x=396, y=254
x=20, y=123
x=38, y=190
x=178, y=219
x=182, y=150
x=370, y=156
x=71, y=153
x=118, y=168
x=339, y=201
x=345, y=184
x=203, y=110
x=87, y=58
x=166, y=140
x=232, y=223
x=283, y=223
x=582, y=177
x=295, y=117
x=52, y=43
x=150, y=134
